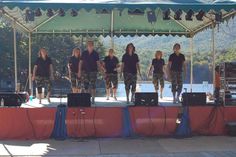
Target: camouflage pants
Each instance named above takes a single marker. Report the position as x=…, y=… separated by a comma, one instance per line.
x=111, y=81
x=156, y=79
x=89, y=80
x=43, y=82
x=130, y=81
x=75, y=82
x=177, y=81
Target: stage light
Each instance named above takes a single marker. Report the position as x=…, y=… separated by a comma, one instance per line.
x=74, y=12
x=136, y=12
x=50, y=13
x=103, y=11
x=38, y=12
x=151, y=16
x=61, y=12
x=218, y=17
x=29, y=15
x=166, y=14
x=178, y=14
x=200, y=15
x=189, y=15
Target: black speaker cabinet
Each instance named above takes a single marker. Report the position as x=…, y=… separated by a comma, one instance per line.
x=13, y=99
x=78, y=100
x=146, y=99
x=194, y=99
x=231, y=128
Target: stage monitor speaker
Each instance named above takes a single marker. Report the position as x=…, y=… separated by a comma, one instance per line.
x=194, y=99
x=13, y=99
x=146, y=99
x=231, y=128
x=78, y=100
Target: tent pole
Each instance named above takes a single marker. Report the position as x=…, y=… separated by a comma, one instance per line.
x=191, y=66
x=112, y=29
x=15, y=55
x=30, y=53
x=213, y=53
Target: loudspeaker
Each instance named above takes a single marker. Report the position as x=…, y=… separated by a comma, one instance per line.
x=146, y=99
x=13, y=99
x=78, y=100
x=194, y=99
x=231, y=128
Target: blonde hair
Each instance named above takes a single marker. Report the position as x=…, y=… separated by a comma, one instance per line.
x=76, y=49
x=40, y=54
x=158, y=52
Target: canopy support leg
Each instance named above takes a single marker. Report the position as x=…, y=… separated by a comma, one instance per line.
x=15, y=55
x=191, y=64
x=213, y=55
x=30, y=54
x=112, y=29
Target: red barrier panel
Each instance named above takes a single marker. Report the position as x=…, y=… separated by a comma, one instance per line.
x=153, y=121
x=230, y=113
x=207, y=120
x=94, y=122
x=24, y=123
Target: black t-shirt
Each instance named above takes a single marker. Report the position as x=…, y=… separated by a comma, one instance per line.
x=74, y=64
x=43, y=67
x=110, y=64
x=90, y=61
x=177, y=62
x=158, y=66
x=130, y=62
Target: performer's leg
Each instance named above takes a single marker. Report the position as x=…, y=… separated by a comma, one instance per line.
x=85, y=80
x=173, y=85
x=161, y=77
x=180, y=84
x=39, y=84
x=92, y=84
x=49, y=88
x=133, y=84
x=115, y=85
x=74, y=82
x=127, y=85
x=108, y=85
x=155, y=82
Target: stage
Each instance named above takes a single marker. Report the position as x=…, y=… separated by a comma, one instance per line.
x=99, y=102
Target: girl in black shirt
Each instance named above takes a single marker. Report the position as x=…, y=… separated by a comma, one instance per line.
x=130, y=67
x=73, y=68
x=43, y=73
x=157, y=68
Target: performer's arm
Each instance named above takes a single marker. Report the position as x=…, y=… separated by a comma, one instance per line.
x=138, y=68
x=101, y=68
x=185, y=69
x=34, y=72
x=121, y=69
x=51, y=72
x=80, y=68
x=68, y=66
x=150, y=71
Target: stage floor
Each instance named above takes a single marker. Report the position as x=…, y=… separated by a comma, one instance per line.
x=99, y=102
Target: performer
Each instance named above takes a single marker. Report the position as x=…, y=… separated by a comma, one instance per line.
x=129, y=68
x=178, y=71
x=111, y=64
x=88, y=68
x=73, y=68
x=43, y=73
x=158, y=72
